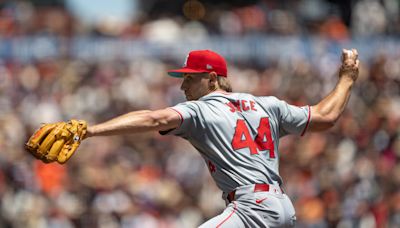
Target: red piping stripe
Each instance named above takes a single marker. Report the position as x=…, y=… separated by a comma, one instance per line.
x=308, y=121
x=234, y=209
x=180, y=116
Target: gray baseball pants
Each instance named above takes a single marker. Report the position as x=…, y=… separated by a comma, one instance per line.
x=268, y=207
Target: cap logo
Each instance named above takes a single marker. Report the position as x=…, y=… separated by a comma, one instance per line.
x=209, y=67
x=186, y=59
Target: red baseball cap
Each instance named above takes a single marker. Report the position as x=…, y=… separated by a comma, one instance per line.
x=202, y=61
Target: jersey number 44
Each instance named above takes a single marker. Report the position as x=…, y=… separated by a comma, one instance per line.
x=263, y=140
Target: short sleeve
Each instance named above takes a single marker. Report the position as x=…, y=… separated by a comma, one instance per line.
x=293, y=119
x=187, y=111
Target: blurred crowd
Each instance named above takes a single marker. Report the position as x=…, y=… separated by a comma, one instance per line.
x=334, y=19
x=346, y=177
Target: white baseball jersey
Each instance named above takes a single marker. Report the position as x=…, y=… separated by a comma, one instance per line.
x=238, y=134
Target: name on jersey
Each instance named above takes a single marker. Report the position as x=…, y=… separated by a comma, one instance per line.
x=241, y=105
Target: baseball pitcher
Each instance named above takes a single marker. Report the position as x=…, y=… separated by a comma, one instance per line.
x=237, y=134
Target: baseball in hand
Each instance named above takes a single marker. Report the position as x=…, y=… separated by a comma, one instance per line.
x=349, y=56
x=350, y=63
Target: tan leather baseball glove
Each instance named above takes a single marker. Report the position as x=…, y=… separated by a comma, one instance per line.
x=57, y=141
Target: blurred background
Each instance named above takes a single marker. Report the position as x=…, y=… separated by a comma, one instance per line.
x=96, y=59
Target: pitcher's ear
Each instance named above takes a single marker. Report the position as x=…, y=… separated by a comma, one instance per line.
x=213, y=75
x=213, y=82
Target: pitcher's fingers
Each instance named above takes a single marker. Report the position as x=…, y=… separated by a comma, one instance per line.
x=344, y=54
x=357, y=63
x=355, y=53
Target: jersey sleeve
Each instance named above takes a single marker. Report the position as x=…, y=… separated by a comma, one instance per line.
x=294, y=119
x=291, y=119
x=187, y=111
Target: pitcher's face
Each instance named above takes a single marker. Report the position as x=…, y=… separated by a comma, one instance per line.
x=195, y=85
